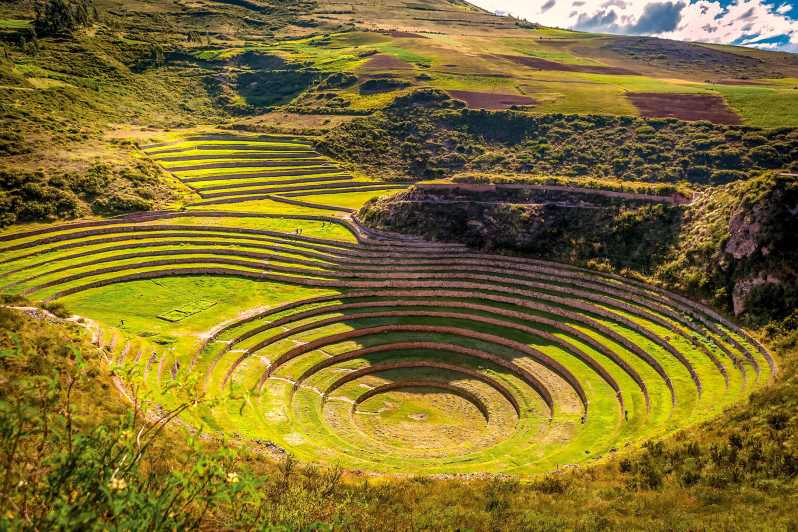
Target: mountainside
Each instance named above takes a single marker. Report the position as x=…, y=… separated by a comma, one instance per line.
x=213, y=53
x=391, y=265
x=428, y=135
x=68, y=93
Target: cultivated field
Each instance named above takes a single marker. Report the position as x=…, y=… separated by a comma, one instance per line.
x=303, y=331
x=538, y=70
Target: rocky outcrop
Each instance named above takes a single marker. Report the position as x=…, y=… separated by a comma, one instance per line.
x=534, y=222
x=743, y=288
x=756, y=248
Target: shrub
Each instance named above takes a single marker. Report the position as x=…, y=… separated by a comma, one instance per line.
x=59, y=17
x=37, y=196
x=338, y=80
x=552, y=484
x=426, y=125
x=12, y=143
x=645, y=131
x=722, y=177
x=375, y=86
x=698, y=173
x=117, y=203
x=766, y=157
x=57, y=309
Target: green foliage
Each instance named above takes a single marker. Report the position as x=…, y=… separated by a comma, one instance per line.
x=12, y=143
x=635, y=187
x=61, y=471
x=56, y=308
x=751, y=447
x=338, y=80
x=101, y=189
x=265, y=81
x=71, y=461
x=422, y=136
x=374, y=86
x=625, y=234
x=59, y=17
x=737, y=247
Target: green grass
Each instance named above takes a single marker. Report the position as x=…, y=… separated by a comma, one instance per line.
x=351, y=200
x=637, y=489
x=249, y=143
x=218, y=172
x=457, y=62
x=576, y=98
x=473, y=82
x=155, y=153
x=14, y=24
x=144, y=301
x=276, y=181
x=595, y=432
x=767, y=107
x=276, y=207
x=285, y=225
x=418, y=430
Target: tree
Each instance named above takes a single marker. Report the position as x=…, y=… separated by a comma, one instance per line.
x=156, y=54
x=63, y=17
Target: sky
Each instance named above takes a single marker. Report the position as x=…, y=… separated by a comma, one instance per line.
x=767, y=24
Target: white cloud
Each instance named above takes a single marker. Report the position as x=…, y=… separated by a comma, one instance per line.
x=748, y=22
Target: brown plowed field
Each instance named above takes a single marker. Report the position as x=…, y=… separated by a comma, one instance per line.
x=386, y=62
x=684, y=107
x=489, y=100
x=543, y=64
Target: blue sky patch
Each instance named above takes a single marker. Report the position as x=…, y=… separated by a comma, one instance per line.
x=766, y=24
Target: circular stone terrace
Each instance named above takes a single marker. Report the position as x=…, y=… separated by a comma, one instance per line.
x=299, y=327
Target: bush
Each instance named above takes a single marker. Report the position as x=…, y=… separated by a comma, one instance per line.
x=426, y=125
x=552, y=484
x=698, y=173
x=722, y=177
x=766, y=157
x=12, y=143
x=72, y=462
x=58, y=309
x=62, y=17
x=375, y=86
x=118, y=203
x=36, y=196
x=338, y=80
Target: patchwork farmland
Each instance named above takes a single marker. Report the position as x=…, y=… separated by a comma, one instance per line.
x=299, y=329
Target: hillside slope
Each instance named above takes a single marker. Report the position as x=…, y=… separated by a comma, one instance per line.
x=428, y=135
x=133, y=69
x=732, y=245
x=322, y=372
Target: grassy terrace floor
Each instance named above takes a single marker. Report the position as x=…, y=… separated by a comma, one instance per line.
x=225, y=170
x=378, y=352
